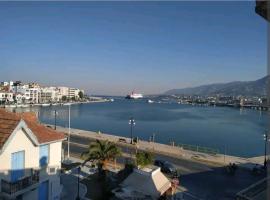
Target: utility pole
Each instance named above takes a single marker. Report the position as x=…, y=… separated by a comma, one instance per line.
x=132, y=123
x=78, y=190
x=225, y=152
x=265, y=148
x=55, y=119
x=153, y=137
x=68, y=128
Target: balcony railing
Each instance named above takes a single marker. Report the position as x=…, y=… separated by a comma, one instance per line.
x=21, y=184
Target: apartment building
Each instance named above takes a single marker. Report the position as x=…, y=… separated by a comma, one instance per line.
x=74, y=93
x=49, y=94
x=64, y=91
x=30, y=157
x=6, y=97
x=31, y=94
x=34, y=93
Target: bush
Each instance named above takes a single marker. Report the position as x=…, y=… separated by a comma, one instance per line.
x=144, y=158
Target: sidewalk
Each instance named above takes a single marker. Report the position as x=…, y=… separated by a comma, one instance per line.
x=173, y=151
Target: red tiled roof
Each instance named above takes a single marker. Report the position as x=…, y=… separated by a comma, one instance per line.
x=9, y=121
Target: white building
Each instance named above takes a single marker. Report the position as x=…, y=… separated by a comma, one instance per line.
x=20, y=98
x=63, y=91
x=5, y=83
x=49, y=94
x=74, y=93
x=6, y=97
x=30, y=94
x=30, y=157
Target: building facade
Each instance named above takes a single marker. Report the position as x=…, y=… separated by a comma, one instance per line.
x=6, y=97
x=30, y=157
x=49, y=94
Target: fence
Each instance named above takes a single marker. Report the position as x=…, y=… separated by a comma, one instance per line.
x=197, y=148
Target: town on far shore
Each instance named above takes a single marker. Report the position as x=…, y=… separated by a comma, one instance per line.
x=237, y=101
x=19, y=94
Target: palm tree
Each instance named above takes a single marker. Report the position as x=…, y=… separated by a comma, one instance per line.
x=144, y=158
x=101, y=152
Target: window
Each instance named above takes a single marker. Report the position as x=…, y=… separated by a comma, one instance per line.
x=43, y=155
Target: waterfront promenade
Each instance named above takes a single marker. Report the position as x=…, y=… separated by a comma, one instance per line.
x=194, y=168
x=163, y=149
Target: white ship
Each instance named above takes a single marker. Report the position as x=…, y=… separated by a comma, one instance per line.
x=134, y=96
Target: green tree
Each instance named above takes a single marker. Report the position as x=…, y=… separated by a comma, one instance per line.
x=144, y=158
x=64, y=98
x=80, y=94
x=101, y=152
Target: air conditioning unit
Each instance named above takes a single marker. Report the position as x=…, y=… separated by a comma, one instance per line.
x=52, y=170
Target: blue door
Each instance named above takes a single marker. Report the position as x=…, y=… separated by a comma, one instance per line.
x=17, y=165
x=43, y=155
x=43, y=191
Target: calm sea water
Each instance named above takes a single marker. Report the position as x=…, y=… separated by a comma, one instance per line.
x=238, y=131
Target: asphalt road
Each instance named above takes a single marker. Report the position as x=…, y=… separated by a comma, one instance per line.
x=201, y=180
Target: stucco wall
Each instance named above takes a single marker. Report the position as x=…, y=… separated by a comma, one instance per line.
x=21, y=142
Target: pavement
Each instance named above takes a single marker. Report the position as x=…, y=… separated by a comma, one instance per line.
x=84, y=137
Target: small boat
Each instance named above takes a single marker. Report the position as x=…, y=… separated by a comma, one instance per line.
x=150, y=101
x=111, y=100
x=54, y=104
x=66, y=104
x=45, y=104
x=18, y=105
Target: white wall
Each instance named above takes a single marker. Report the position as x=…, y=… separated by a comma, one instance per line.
x=21, y=142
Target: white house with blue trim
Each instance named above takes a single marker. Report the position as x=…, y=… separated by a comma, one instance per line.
x=30, y=158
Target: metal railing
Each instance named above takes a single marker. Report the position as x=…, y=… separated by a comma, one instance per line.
x=13, y=187
x=201, y=149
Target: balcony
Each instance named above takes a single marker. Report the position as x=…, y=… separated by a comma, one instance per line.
x=11, y=188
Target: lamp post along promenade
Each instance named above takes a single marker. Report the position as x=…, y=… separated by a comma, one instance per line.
x=131, y=123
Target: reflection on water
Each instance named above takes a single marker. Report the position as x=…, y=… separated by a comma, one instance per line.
x=240, y=130
x=49, y=112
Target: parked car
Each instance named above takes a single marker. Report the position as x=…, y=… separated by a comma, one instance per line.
x=166, y=167
x=122, y=140
x=159, y=163
x=169, y=168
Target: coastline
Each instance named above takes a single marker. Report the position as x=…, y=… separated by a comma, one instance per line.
x=52, y=104
x=163, y=149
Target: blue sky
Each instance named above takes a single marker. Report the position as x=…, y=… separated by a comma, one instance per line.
x=116, y=47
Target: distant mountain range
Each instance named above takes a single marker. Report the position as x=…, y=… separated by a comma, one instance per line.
x=247, y=88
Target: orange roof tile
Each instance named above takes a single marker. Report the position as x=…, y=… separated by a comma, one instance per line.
x=9, y=121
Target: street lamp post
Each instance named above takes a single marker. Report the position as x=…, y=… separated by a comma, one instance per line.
x=55, y=113
x=153, y=137
x=132, y=123
x=68, y=129
x=78, y=190
x=265, y=148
